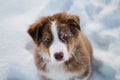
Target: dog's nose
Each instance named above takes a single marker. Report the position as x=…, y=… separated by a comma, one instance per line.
x=59, y=56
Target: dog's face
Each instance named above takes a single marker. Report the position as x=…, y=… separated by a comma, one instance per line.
x=55, y=36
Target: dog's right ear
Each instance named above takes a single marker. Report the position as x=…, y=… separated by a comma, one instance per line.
x=35, y=31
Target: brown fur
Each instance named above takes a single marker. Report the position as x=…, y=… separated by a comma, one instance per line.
x=81, y=60
x=39, y=62
x=70, y=24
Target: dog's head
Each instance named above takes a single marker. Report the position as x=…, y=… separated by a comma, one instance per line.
x=55, y=36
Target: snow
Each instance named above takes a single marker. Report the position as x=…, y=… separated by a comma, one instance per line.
x=100, y=21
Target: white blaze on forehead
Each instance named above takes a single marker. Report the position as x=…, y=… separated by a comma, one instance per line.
x=57, y=45
x=54, y=31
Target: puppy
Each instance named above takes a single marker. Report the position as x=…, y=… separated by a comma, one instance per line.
x=61, y=50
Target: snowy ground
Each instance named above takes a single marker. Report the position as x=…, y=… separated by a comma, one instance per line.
x=100, y=21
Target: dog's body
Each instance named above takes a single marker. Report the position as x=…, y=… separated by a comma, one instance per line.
x=62, y=51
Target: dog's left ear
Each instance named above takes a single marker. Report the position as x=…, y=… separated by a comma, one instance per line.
x=74, y=21
x=35, y=31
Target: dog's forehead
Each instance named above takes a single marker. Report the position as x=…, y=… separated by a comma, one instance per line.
x=56, y=23
x=62, y=22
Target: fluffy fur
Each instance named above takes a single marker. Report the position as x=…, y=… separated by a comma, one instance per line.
x=61, y=33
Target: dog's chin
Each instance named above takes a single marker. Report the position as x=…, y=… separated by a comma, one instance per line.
x=57, y=62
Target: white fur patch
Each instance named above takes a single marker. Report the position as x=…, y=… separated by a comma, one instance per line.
x=57, y=72
x=57, y=45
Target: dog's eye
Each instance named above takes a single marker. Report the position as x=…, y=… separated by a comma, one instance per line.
x=47, y=40
x=65, y=38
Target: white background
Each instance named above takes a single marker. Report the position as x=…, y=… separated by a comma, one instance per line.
x=100, y=21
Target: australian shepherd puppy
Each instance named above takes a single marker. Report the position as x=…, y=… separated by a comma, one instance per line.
x=61, y=50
